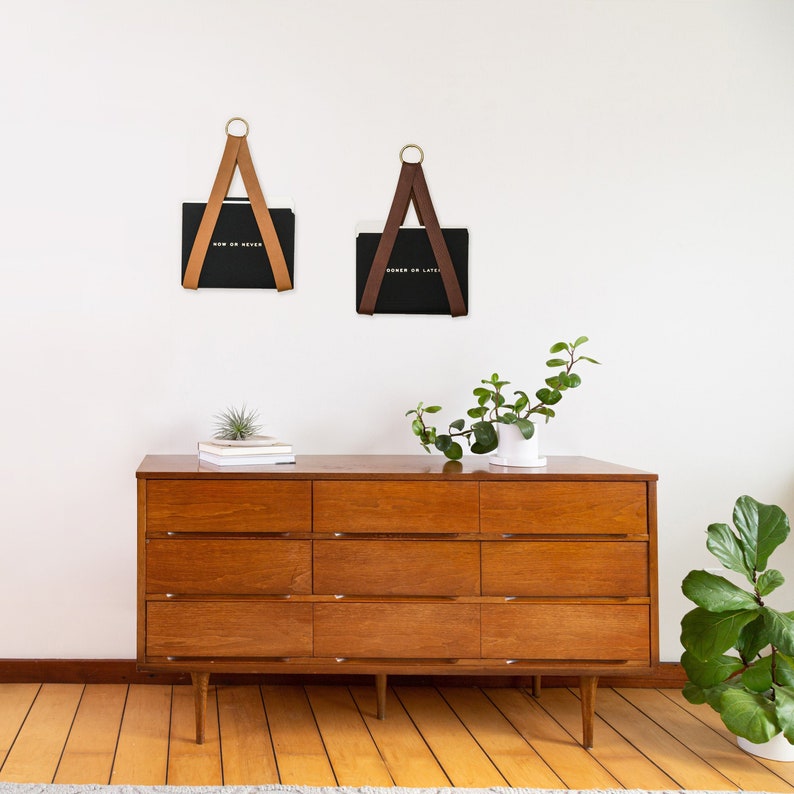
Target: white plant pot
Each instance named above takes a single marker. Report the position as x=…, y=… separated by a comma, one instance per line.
x=515, y=450
x=778, y=748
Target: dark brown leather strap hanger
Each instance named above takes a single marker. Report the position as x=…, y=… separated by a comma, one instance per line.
x=237, y=153
x=412, y=186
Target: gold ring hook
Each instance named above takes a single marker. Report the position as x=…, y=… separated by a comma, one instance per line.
x=412, y=146
x=237, y=118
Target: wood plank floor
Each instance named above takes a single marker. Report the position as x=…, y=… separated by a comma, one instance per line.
x=329, y=736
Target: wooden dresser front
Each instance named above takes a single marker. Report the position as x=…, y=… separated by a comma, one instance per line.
x=397, y=564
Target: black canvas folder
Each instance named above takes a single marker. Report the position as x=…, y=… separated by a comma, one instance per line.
x=236, y=257
x=412, y=283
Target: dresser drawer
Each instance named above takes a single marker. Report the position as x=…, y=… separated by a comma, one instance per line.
x=566, y=568
x=396, y=507
x=228, y=629
x=566, y=632
x=228, y=506
x=229, y=566
x=396, y=567
x=398, y=630
x=565, y=508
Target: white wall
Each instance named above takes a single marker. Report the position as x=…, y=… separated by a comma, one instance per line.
x=626, y=170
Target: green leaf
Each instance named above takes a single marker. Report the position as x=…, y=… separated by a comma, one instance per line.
x=556, y=362
x=455, y=451
x=558, y=347
x=522, y=401
x=484, y=433
x=575, y=381
x=693, y=693
x=716, y=593
x=432, y=409
x=709, y=634
x=417, y=427
x=553, y=382
x=769, y=581
x=526, y=427
x=508, y=418
x=780, y=628
x=565, y=380
x=412, y=411
x=483, y=397
x=762, y=528
x=483, y=449
x=480, y=392
x=784, y=710
x=587, y=358
x=710, y=673
x=553, y=398
x=758, y=677
x=753, y=638
x=784, y=670
x=580, y=341
x=458, y=424
x=477, y=413
x=724, y=545
x=713, y=694
x=443, y=443
x=749, y=714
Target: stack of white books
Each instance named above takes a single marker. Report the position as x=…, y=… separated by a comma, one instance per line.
x=254, y=451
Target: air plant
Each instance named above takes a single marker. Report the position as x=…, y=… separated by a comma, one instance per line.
x=236, y=424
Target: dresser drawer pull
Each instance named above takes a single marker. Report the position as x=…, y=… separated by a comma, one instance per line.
x=398, y=535
x=565, y=662
x=578, y=536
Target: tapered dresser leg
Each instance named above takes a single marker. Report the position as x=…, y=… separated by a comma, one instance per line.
x=380, y=694
x=200, y=686
x=588, y=684
x=536, y=686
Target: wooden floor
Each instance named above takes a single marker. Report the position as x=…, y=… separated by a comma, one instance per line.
x=328, y=736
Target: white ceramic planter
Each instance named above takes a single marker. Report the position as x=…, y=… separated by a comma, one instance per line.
x=778, y=748
x=515, y=450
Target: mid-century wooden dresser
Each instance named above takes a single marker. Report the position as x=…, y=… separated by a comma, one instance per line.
x=397, y=564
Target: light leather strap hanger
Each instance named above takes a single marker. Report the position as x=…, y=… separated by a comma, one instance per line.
x=412, y=186
x=237, y=153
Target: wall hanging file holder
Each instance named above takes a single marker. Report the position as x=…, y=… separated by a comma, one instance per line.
x=237, y=243
x=405, y=270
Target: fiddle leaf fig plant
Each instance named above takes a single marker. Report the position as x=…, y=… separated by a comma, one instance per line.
x=739, y=651
x=493, y=407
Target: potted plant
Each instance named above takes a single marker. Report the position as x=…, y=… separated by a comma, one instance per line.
x=739, y=651
x=494, y=417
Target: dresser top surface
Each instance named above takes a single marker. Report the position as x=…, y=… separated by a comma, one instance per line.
x=388, y=467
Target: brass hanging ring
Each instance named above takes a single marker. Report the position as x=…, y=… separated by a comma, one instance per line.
x=412, y=146
x=237, y=118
